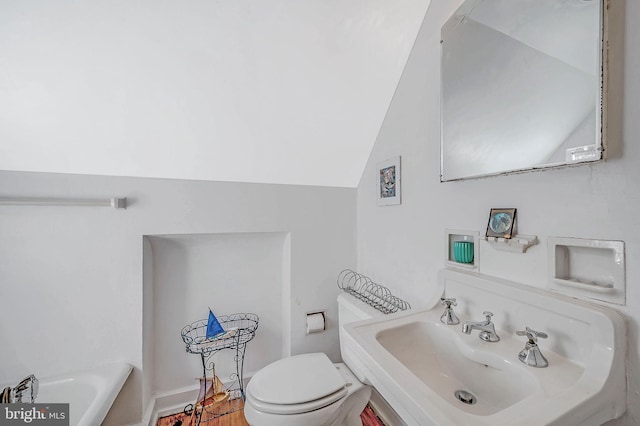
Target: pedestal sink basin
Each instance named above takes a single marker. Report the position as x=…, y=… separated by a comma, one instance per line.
x=441, y=360
x=433, y=374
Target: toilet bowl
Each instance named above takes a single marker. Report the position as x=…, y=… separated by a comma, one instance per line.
x=308, y=389
x=305, y=390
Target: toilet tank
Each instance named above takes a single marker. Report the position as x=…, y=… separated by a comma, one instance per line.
x=351, y=309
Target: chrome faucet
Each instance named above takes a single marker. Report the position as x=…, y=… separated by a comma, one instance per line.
x=449, y=317
x=486, y=327
x=531, y=354
x=25, y=391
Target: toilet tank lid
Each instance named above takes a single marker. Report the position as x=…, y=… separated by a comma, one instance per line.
x=296, y=380
x=358, y=307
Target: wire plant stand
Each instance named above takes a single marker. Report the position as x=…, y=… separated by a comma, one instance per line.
x=240, y=329
x=371, y=293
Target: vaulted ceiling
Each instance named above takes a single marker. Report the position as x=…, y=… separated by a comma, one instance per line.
x=277, y=91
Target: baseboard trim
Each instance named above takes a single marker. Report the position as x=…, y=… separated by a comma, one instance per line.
x=169, y=403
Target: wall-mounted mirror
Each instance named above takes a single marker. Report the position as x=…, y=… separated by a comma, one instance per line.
x=521, y=86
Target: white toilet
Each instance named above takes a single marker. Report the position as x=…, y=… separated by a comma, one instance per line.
x=309, y=390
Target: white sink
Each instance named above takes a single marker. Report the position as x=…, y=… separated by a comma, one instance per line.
x=418, y=363
x=440, y=359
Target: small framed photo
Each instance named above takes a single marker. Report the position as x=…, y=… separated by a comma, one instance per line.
x=389, y=182
x=501, y=223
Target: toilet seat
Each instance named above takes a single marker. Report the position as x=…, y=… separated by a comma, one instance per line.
x=298, y=384
x=298, y=408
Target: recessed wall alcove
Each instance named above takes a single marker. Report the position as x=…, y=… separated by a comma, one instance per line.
x=184, y=275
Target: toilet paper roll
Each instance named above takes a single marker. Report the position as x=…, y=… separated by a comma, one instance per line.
x=315, y=322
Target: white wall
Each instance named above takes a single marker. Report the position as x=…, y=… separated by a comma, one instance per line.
x=403, y=246
x=71, y=278
x=251, y=91
x=231, y=273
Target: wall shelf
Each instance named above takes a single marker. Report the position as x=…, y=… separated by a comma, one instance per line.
x=588, y=269
x=517, y=244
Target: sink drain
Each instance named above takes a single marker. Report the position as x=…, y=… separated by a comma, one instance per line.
x=466, y=397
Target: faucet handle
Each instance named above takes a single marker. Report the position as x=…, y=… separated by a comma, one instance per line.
x=531, y=354
x=27, y=390
x=531, y=334
x=488, y=315
x=448, y=301
x=449, y=317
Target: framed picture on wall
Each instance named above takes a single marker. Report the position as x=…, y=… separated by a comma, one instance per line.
x=501, y=222
x=389, y=182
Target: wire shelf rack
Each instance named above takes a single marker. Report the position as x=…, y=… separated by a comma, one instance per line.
x=240, y=328
x=373, y=294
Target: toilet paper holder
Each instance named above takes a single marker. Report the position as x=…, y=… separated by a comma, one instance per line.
x=316, y=321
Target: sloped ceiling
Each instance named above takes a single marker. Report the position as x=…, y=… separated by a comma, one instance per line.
x=277, y=91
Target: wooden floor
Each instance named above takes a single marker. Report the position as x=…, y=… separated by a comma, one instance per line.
x=232, y=419
x=368, y=417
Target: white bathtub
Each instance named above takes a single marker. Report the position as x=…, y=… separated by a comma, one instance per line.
x=89, y=393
